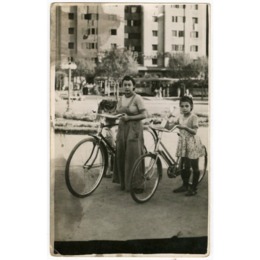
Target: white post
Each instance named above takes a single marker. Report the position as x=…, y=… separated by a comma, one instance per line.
x=68, y=108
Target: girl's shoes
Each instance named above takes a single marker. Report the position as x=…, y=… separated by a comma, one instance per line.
x=191, y=192
x=181, y=189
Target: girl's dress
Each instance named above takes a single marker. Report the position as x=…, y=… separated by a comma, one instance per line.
x=189, y=145
x=129, y=141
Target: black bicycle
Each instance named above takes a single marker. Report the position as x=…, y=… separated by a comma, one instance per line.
x=147, y=171
x=92, y=158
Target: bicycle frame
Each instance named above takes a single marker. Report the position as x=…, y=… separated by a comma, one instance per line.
x=161, y=150
x=102, y=139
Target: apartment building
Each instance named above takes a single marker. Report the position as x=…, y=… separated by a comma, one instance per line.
x=151, y=31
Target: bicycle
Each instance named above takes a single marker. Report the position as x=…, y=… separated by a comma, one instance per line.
x=90, y=159
x=147, y=171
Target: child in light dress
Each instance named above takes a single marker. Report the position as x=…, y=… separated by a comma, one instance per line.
x=189, y=146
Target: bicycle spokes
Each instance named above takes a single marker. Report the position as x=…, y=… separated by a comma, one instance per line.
x=85, y=167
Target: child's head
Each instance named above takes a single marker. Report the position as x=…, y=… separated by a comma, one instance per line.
x=186, y=99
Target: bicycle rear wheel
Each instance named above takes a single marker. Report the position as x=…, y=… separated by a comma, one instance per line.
x=145, y=178
x=203, y=162
x=85, y=167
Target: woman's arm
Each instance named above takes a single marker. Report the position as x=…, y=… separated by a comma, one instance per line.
x=140, y=116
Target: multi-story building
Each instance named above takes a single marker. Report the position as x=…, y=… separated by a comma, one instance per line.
x=151, y=30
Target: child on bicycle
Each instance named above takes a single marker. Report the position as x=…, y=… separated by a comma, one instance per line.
x=108, y=106
x=189, y=146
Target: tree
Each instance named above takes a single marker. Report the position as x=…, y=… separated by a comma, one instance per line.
x=117, y=63
x=85, y=69
x=178, y=63
x=184, y=67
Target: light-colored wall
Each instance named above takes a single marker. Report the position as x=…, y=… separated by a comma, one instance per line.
x=164, y=26
x=148, y=39
x=106, y=25
x=64, y=36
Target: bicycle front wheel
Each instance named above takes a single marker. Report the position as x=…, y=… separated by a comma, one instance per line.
x=85, y=167
x=145, y=178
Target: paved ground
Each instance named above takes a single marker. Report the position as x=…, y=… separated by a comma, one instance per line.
x=111, y=214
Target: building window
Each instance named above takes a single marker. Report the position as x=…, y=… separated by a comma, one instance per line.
x=181, y=33
x=137, y=48
x=181, y=48
x=132, y=23
x=155, y=47
x=93, y=31
x=87, y=16
x=71, y=45
x=174, y=33
x=176, y=6
x=136, y=22
x=71, y=16
x=71, y=30
x=134, y=36
x=194, y=7
x=113, y=32
x=176, y=19
x=195, y=20
x=155, y=19
x=194, y=34
x=154, y=61
x=113, y=45
x=194, y=48
x=176, y=47
x=155, y=33
x=126, y=35
x=91, y=16
x=133, y=9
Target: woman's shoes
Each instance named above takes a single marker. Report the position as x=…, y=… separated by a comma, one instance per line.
x=108, y=175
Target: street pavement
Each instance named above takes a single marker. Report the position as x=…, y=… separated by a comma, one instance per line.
x=111, y=214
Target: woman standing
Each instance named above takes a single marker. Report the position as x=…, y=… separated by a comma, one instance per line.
x=130, y=140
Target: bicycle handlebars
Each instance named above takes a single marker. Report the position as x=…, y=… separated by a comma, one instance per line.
x=162, y=128
x=110, y=116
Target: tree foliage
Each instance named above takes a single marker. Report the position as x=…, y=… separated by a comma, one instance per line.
x=117, y=63
x=85, y=67
x=182, y=66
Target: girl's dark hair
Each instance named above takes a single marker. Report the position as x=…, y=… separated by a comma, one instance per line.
x=187, y=99
x=128, y=78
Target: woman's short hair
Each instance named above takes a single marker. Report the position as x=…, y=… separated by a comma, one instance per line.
x=128, y=78
x=187, y=99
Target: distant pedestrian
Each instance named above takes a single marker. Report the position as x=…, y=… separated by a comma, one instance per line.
x=189, y=146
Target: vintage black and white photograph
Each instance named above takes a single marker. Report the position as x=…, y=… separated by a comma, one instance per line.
x=130, y=146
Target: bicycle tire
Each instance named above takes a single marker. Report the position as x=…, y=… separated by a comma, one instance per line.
x=143, y=186
x=85, y=167
x=149, y=140
x=203, y=163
